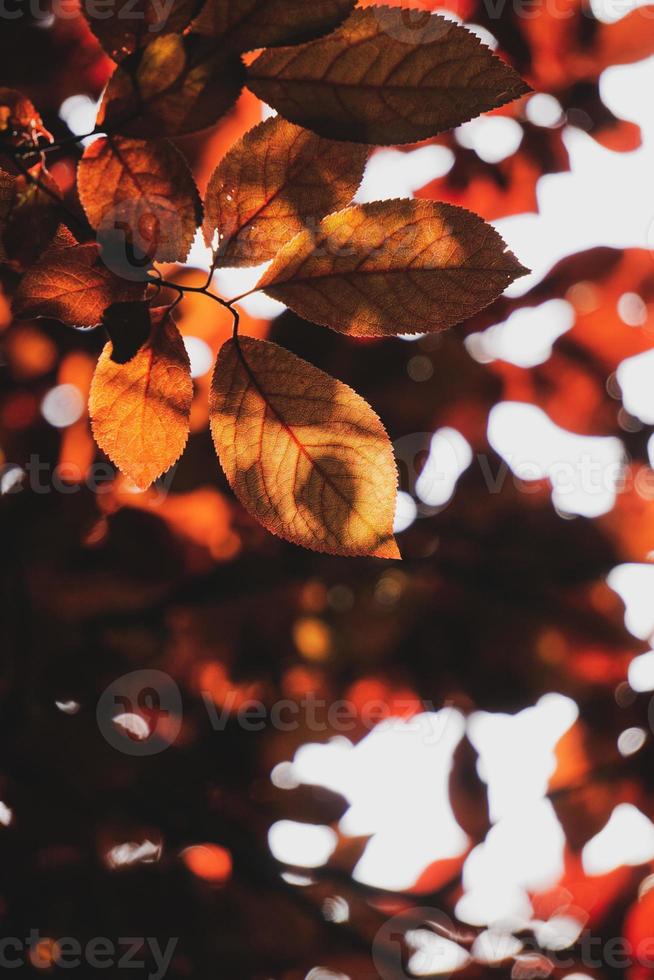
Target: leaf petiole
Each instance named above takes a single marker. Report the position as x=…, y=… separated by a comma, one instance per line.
x=202, y=291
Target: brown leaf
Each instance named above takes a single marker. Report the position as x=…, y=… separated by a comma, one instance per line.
x=392, y=267
x=135, y=23
x=147, y=188
x=128, y=326
x=271, y=183
x=304, y=453
x=249, y=24
x=74, y=285
x=176, y=85
x=31, y=215
x=372, y=83
x=140, y=410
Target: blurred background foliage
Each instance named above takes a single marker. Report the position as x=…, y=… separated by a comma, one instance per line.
x=505, y=623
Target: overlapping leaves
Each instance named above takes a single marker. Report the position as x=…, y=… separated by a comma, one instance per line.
x=133, y=24
x=271, y=184
x=176, y=85
x=305, y=454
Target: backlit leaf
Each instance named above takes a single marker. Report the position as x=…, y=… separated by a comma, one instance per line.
x=392, y=267
x=145, y=186
x=249, y=24
x=304, y=453
x=371, y=82
x=140, y=410
x=74, y=285
x=274, y=180
x=176, y=85
x=63, y=238
x=135, y=23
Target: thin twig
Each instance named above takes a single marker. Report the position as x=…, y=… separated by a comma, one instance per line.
x=47, y=191
x=26, y=151
x=202, y=291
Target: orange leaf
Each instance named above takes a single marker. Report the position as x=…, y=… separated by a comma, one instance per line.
x=371, y=81
x=272, y=181
x=63, y=238
x=249, y=24
x=392, y=267
x=140, y=410
x=134, y=23
x=146, y=188
x=74, y=285
x=176, y=85
x=304, y=453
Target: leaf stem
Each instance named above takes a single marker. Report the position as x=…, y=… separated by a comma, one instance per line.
x=158, y=280
x=250, y=292
x=27, y=151
x=29, y=176
x=202, y=291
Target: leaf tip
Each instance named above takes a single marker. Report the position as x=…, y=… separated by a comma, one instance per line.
x=388, y=549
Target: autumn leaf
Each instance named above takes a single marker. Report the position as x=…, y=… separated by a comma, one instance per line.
x=63, y=238
x=304, y=453
x=128, y=326
x=392, y=267
x=132, y=24
x=249, y=24
x=147, y=188
x=29, y=215
x=74, y=285
x=175, y=85
x=271, y=182
x=370, y=83
x=140, y=410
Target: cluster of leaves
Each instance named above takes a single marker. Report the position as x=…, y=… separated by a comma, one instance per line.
x=303, y=452
x=507, y=601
